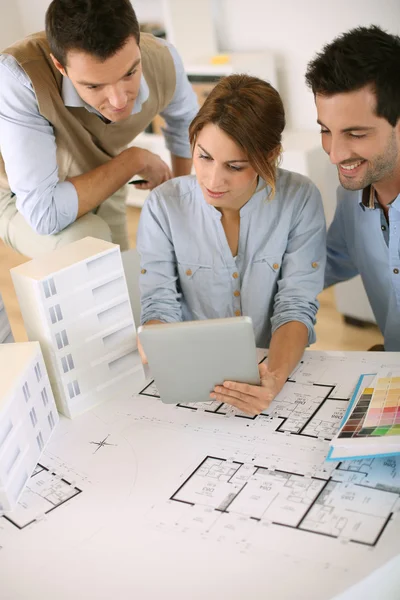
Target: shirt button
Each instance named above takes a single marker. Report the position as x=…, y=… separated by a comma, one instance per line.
x=276, y=266
x=189, y=272
x=143, y=271
x=396, y=271
x=314, y=265
x=235, y=275
x=236, y=293
x=383, y=227
x=237, y=313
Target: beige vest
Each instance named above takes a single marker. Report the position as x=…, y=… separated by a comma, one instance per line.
x=83, y=140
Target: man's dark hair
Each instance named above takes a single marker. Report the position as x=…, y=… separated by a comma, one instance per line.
x=363, y=56
x=97, y=27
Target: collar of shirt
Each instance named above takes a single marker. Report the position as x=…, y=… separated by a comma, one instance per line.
x=71, y=97
x=260, y=191
x=368, y=200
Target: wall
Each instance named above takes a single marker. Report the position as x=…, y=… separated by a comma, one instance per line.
x=293, y=30
x=11, y=27
x=32, y=14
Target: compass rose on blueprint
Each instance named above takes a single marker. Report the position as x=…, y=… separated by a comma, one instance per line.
x=102, y=444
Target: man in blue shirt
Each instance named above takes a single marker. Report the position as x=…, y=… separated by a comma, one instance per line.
x=72, y=99
x=356, y=84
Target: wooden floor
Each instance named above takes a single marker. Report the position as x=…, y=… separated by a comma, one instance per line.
x=332, y=332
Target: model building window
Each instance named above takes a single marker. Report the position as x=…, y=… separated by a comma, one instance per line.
x=33, y=417
x=73, y=389
x=62, y=339
x=50, y=419
x=49, y=288
x=25, y=389
x=38, y=372
x=67, y=363
x=45, y=397
x=39, y=439
x=55, y=313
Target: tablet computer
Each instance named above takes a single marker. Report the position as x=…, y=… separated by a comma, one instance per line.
x=189, y=358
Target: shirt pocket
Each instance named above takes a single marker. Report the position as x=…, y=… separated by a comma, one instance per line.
x=197, y=284
x=193, y=272
x=194, y=279
x=266, y=272
x=273, y=263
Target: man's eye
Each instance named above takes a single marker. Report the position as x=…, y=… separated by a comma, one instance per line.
x=357, y=135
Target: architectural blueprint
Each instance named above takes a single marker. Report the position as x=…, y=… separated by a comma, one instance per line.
x=137, y=498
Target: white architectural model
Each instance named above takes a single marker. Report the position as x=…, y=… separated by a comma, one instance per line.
x=75, y=303
x=5, y=329
x=28, y=415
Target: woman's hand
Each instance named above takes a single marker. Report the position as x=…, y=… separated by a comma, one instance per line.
x=142, y=353
x=250, y=399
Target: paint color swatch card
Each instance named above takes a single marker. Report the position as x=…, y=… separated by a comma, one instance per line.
x=371, y=424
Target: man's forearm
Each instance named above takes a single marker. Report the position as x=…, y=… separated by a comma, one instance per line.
x=180, y=165
x=287, y=346
x=100, y=183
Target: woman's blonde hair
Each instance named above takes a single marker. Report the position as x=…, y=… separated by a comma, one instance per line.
x=251, y=112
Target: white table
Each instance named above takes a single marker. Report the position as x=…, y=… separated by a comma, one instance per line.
x=137, y=499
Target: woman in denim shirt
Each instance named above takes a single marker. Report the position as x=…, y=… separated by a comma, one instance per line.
x=241, y=237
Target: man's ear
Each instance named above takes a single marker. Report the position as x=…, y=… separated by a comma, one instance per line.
x=58, y=65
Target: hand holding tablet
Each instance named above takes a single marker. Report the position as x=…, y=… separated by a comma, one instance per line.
x=188, y=359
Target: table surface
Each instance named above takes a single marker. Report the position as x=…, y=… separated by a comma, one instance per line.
x=140, y=499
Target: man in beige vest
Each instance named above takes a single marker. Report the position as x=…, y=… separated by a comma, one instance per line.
x=71, y=100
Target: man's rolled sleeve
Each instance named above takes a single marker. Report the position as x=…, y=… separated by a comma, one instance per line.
x=50, y=211
x=180, y=111
x=302, y=274
x=339, y=266
x=28, y=148
x=158, y=280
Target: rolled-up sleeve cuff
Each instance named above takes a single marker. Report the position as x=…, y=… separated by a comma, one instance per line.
x=51, y=216
x=279, y=320
x=175, y=143
x=146, y=317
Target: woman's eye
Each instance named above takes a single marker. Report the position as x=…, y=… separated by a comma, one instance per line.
x=233, y=168
x=204, y=156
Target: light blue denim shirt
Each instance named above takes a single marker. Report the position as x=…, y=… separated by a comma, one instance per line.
x=188, y=271
x=361, y=241
x=28, y=147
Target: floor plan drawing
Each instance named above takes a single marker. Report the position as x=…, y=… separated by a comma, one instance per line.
x=308, y=409
x=303, y=409
x=338, y=507
x=44, y=492
x=150, y=390
x=312, y=403
x=200, y=489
